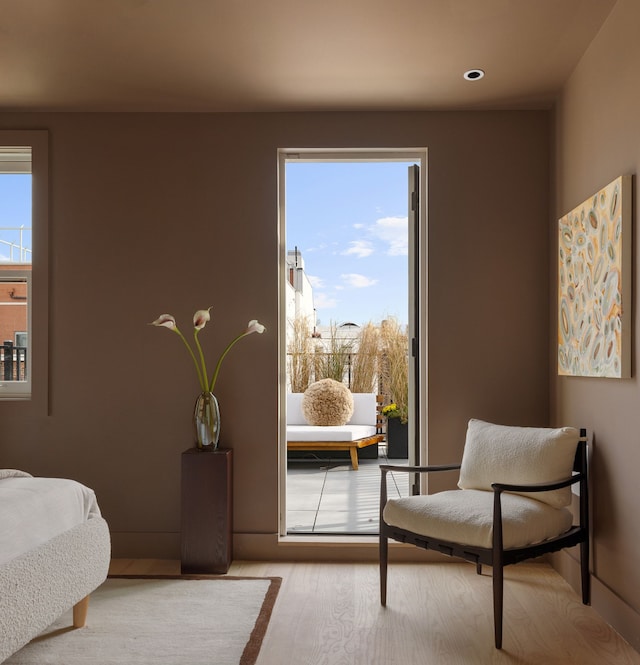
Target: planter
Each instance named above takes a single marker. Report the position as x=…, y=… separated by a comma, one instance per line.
x=397, y=439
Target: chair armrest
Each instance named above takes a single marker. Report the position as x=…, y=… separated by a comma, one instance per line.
x=384, y=468
x=419, y=469
x=537, y=487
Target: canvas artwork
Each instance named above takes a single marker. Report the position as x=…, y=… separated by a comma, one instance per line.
x=594, y=285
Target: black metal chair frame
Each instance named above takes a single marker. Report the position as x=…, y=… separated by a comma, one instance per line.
x=497, y=556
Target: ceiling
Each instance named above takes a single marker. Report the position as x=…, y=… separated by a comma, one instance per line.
x=289, y=55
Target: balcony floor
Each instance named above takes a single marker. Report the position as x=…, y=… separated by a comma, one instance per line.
x=332, y=498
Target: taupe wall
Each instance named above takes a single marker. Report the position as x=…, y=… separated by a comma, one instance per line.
x=598, y=130
x=154, y=213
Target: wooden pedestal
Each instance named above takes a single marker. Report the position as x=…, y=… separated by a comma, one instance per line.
x=207, y=511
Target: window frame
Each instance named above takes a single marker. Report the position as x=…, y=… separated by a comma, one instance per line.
x=37, y=397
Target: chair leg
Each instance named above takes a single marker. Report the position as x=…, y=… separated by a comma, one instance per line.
x=353, y=452
x=384, y=559
x=479, y=568
x=584, y=573
x=498, y=592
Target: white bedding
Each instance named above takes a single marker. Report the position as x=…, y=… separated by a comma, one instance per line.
x=35, y=510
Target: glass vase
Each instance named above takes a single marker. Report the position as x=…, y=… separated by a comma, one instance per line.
x=206, y=420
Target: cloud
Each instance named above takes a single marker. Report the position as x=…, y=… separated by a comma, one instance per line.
x=315, y=281
x=357, y=281
x=359, y=248
x=319, y=248
x=394, y=232
x=323, y=301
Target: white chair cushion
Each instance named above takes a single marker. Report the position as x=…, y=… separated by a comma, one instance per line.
x=294, y=409
x=329, y=433
x=466, y=517
x=364, y=409
x=519, y=455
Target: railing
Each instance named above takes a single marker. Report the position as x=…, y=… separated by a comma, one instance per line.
x=19, y=246
x=13, y=362
x=309, y=367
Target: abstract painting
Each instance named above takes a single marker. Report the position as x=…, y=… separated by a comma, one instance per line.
x=594, y=285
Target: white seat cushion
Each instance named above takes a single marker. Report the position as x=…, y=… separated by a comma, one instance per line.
x=466, y=517
x=331, y=433
x=519, y=455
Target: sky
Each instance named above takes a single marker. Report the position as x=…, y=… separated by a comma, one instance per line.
x=15, y=211
x=349, y=222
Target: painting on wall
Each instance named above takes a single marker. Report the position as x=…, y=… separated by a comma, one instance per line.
x=594, y=285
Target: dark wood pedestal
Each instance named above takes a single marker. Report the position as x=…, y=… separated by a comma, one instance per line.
x=207, y=511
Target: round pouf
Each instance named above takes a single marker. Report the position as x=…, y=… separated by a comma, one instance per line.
x=327, y=402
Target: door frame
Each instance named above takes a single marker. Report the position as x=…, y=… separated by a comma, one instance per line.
x=420, y=299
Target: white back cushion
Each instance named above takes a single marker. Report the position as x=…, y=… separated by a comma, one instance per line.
x=294, y=409
x=364, y=409
x=525, y=455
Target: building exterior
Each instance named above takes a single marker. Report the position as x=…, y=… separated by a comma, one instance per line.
x=13, y=307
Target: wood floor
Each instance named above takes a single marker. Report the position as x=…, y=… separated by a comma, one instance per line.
x=437, y=614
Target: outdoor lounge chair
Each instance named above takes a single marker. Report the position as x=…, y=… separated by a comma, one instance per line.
x=362, y=430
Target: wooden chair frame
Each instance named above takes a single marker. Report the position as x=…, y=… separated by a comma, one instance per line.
x=497, y=556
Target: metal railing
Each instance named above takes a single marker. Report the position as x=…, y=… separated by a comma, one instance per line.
x=16, y=247
x=13, y=362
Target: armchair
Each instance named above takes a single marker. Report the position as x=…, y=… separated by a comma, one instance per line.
x=511, y=505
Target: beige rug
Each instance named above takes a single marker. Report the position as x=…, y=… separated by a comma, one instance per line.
x=162, y=621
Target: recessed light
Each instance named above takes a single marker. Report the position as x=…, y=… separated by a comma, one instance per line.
x=474, y=74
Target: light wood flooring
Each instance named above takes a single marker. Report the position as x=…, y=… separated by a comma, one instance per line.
x=436, y=614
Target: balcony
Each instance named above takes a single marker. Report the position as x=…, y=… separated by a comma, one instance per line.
x=330, y=498
x=13, y=362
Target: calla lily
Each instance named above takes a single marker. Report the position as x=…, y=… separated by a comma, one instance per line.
x=168, y=321
x=253, y=326
x=256, y=327
x=200, y=319
x=165, y=320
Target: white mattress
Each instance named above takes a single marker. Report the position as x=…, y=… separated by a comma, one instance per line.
x=332, y=433
x=34, y=510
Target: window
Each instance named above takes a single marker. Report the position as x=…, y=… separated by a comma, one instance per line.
x=15, y=317
x=23, y=265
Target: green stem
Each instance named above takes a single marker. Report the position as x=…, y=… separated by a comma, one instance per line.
x=205, y=379
x=222, y=357
x=203, y=385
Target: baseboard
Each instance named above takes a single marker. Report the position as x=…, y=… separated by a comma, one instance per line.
x=140, y=545
x=271, y=547
x=615, y=611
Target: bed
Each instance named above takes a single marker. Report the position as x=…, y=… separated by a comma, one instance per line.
x=54, y=551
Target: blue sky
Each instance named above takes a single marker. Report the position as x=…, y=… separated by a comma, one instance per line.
x=15, y=210
x=349, y=221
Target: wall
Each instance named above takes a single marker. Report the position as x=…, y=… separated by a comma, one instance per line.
x=149, y=213
x=598, y=125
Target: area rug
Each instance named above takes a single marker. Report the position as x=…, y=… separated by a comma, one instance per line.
x=162, y=621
